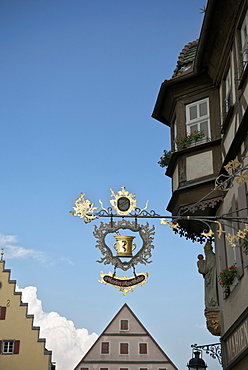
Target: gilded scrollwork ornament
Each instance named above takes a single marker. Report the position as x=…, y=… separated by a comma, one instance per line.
x=123, y=202
x=141, y=256
x=84, y=209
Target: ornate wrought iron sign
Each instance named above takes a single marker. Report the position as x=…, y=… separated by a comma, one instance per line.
x=124, y=253
x=123, y=245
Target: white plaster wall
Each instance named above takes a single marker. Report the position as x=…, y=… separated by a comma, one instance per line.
x=199, y=165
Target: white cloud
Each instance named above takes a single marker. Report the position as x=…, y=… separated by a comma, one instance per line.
x=67, y=343
x=67, y=260
x=5, y=239
x=13, y=251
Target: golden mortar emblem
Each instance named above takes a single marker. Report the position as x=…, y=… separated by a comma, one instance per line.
x=124, y=245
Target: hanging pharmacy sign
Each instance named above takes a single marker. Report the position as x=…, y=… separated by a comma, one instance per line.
x=122, y=249
x=125, y=244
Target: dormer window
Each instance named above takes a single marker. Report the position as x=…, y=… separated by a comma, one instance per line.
x=197, y=119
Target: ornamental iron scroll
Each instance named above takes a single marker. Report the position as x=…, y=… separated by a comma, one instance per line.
x=213, y=350
x=124, y=205
x=143, y=254
x=237, y=171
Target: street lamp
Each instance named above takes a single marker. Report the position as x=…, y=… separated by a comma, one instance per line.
x=197, y=363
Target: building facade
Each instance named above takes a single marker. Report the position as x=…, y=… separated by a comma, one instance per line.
x=205, y=104
x=20, y=345
x=125, y=344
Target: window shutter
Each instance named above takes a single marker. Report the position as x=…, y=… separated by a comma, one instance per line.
x=16, y=347
x=1, y=346
x=124, y=348
x=2, y=313
x=124, y=324
x=105, y=348
x=143, y=348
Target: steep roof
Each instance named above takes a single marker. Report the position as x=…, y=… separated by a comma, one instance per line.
x=186, y=58
x=113, y=332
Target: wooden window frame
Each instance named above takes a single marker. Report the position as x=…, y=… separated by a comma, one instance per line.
x=140, y=350
x=102, y=348
x=15, y=347
x=122, y=321
x=120, y=348
x=2, y=313
x=198, y=120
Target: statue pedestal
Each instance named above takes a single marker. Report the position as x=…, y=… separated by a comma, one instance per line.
x=213, y=320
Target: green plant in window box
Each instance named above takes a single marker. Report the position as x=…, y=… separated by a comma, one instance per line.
x=182, y=143
x=227, y=276
x=187, y=140
x=245, y=244
x=165, y=159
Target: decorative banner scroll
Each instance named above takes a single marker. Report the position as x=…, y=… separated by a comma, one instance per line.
x=125, y=284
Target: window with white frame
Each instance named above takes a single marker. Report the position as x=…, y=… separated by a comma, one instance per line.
x=124, y=348
x=143, y=368
x=84, y=368
x=104, y=368
x=174, y=138
x=104, y=348
x=244, y=39
x=198, y=119
x=8, y=346
x=143, y=349
x=123, y=368
x=124, y=325
x=228, y=99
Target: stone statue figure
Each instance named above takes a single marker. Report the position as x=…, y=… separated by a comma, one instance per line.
x=207, y=268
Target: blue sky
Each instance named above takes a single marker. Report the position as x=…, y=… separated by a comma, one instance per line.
x=79, y=80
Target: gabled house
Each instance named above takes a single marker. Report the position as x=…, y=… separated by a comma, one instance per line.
x=20, y=345
x=125, y=344
x=205, y=104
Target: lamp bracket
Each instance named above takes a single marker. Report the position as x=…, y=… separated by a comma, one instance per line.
x=214, y=350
